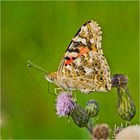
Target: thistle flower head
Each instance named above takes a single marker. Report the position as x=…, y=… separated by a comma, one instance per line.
x=64, y=104
x=119, y=80
x=129, y=133
x=92, y=108
x=101, y=131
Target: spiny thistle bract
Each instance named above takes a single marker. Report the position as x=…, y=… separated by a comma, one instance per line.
x=125, y=107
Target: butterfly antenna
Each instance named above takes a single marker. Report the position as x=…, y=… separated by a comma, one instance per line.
x=34, y=66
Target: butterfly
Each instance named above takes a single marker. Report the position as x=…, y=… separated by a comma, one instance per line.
x=84, y=66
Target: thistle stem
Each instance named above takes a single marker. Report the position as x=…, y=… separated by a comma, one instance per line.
x=89, y=128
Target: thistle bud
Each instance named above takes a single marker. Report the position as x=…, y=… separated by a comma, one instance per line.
x=92, y=108
x=126, y=107
x=79, y=116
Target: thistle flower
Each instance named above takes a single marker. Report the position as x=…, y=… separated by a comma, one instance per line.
x=92, y=108
x=64, y=104
x=101, y=131
x=129, y=133
x=119, y=80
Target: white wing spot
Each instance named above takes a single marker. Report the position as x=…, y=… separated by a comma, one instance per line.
x=92, y=41
x=88, y=70
x=79, y=39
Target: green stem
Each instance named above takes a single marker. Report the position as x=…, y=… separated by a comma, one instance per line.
x=89, y=129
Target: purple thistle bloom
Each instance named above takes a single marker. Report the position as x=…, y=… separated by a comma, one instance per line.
x=119, y=80
x=64, y=104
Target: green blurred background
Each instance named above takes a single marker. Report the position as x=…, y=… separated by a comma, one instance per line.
x=41, y=31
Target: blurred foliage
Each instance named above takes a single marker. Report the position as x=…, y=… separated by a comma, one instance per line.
x=41, y=31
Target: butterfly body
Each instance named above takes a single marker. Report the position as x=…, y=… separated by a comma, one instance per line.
x=84, y=66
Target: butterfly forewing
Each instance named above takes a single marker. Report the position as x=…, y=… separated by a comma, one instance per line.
x=84, y=66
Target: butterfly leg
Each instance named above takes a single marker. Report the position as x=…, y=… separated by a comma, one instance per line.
x=56, y=90
x=75, y=99
x=49, y=90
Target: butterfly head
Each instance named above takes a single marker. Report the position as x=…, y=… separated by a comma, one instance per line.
x=51, y=77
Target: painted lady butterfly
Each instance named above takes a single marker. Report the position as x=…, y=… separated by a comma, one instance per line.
x=84, y=66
